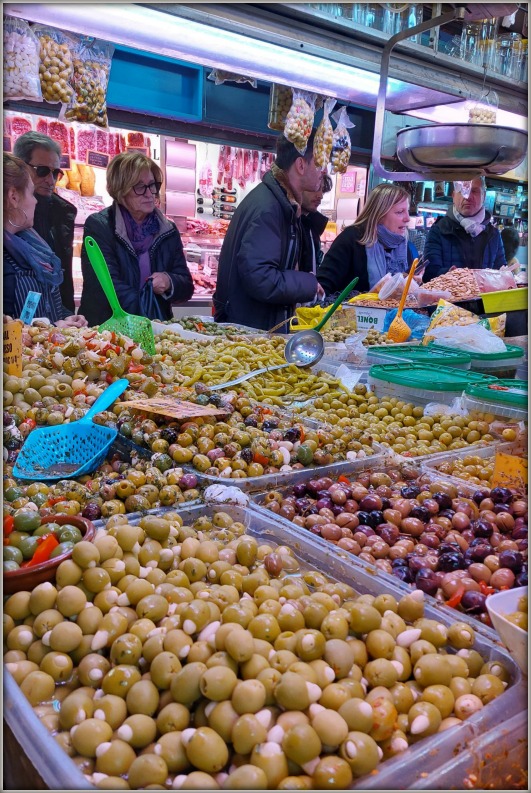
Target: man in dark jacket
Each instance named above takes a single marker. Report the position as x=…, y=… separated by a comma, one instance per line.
x=54, y=217
x=464, y=237
x=313, y=225
x=260, y=279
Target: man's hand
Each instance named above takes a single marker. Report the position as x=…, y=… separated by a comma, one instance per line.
x=320, y=295
x=161, y=283
x=73, y=321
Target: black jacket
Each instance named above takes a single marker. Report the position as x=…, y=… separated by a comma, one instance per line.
x=313, y=224
x=258, y=283
x=166, y=255
x=449, y=245
x=54, y=220
x=346, y=259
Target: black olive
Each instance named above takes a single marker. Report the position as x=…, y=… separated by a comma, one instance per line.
x=421, y=513
x=403, y=574
x=443, y=500
x=513, y=560
x=292, y=435
x=410, y=491
x=246, y=455
x=427, y=581
x=473, y=602
x=251, y=421
x=449, y=562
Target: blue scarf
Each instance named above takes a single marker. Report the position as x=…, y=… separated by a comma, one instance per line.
x=140, y=234
x=30, y=250
x=387, y=255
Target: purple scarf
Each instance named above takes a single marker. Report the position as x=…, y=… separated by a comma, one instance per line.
x=141, y=236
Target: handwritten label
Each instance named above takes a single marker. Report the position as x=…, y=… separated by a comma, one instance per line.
x=370, y=318
x=30, y=307
x=13, y=348
x=97, y=159
x=509, y=471
x=64, y=162
x=8, y=143
x=348, y=182
x=141, y=149
x=176, y=408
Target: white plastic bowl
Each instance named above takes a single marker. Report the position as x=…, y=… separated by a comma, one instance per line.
x=513, y=637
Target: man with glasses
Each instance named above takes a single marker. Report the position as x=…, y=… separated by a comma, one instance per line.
x=54, y=217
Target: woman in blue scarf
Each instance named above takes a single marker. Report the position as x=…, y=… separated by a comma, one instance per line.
x=374, y=245
x=30, y=265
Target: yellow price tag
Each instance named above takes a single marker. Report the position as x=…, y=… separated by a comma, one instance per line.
x=331, y=227
x=509, y=471
x=13, y=348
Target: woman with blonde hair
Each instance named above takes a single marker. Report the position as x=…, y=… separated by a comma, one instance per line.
x=30, y=265
x=142, y=247
x=375, y=244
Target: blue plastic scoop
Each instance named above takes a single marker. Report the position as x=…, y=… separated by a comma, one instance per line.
x=69, y=450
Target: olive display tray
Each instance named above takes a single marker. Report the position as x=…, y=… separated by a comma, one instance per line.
x=411, y=767
x=425, y=476
x=485, y=452
x=284, y=478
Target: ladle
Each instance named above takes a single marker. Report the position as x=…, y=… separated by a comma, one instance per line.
x=306, y=347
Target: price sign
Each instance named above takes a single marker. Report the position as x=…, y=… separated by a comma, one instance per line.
x=141, y=149
x=64, y=162
x=176, y=408
x=97, y=159
x=331, y=227
x=509, y=471
x=30, y=307
x=13, y=348
x=348, y=182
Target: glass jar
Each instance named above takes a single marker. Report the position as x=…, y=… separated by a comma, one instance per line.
x=370, y=15
x=523, y=70
x=487, y=43
x=470, y=50
x=509, y=55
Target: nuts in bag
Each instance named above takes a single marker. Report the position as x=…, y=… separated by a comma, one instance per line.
x=92, y=65
x=218, y=76
x=56, y=68
x=341, y=145
x=299, y=121
x=21, y=61
x=324, y=136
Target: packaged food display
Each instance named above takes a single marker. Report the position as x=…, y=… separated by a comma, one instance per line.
x=92, y=65
x=324, y=136
x=56, y=68
x=299, y=121
x=21, y=61
x=341, y=145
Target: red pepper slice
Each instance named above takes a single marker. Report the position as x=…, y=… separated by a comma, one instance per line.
x=456, y=598
x=44, y=549
x=135, y=368
x=9, y=525
x=260, y=458
x=343, y=479
x=485, y=588
x=53, y=501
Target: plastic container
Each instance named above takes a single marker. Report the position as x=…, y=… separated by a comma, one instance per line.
x=422, y=383
x=485, y=452
x=393, y=288
x=443, y=356
x=511, y=402
x=498, y=364
x=514, y=638
x=58, y=771
x=505, y=300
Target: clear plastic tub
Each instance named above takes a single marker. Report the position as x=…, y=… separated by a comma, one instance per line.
x=501, y=364
x=404, y=353
x=411, y=382
x=485, y=452
x=58, y=771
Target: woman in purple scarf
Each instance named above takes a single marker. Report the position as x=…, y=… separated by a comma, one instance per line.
x=138, y=242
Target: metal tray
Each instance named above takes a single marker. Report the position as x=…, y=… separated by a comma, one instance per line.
x=454, y=148
x=59, y=771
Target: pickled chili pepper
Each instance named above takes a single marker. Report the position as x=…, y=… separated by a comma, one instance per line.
x=260, y=458
x=456, y=598
x=53, y=501
x=343, y=479
x=9, y=525
x=135, y=368
x=485, y=588
x=44, y=549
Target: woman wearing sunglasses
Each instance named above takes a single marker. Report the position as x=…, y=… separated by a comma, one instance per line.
x=142, y=248
x=30, y=265
x=54, y=216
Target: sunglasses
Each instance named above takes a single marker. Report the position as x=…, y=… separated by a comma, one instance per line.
x=153, y=187
x=42, y=171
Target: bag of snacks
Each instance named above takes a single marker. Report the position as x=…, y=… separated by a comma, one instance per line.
x=280, y=99
x=299, y=121
x=494, y=280
x=446, y=314
x=21, y=61
x=324, y=136
x=92, y=65
x=218, y=76
x=56, y=68
x=341, y=146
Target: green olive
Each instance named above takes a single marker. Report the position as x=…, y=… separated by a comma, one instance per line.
x=461, y=635
x=487, y=687
x=301, y=743
x=142, y=697
x=120, y=679
x=361, y=753
x=58, y=665
x=170, y=747
x=114, y=758
x=173, y=717
x=440, y=696
x=43, y=597
x=146, y=770
x=65, y=637
x=206, y=750
x=112, y=709
x=432, y=669
x=424, y=718
x=380, y=672
x=70, y=601
x=332, y=773
x=246, y=777
x=185, y=686
x=357, y=713
x=218, y=683
x=271, y=759
x=89, y=734
x=363, y=618
x=248, y=696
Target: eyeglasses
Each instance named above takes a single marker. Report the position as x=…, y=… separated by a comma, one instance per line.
x=42, y=171
x=153, y=187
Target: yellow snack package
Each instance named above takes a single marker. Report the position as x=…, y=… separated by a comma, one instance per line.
x=447, y=314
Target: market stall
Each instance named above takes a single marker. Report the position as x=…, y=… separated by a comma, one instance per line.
x=295, y=582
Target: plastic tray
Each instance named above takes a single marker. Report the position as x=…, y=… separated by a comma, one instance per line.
x=403, y=353
x=408, y=381
x=515, y=396
x=272, y=481
x=505, y=300
x=496, y=409
x=483, y=452
x=58, y=771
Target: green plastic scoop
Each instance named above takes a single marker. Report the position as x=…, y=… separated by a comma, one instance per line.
x=137, y=328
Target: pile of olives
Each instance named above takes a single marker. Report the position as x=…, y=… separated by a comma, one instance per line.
x=249, y=443
x=196, y=657
x=198, y=325
x=397, y=425
x=25, y=535
x=426, y=533
x=519, y=617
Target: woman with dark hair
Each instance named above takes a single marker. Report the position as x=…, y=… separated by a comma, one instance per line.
x=375, y=244
x=511, y=243
x=138, y=242
x=30, y=265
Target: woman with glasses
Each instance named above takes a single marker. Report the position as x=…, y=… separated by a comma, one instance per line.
x=30, y=265
x=54, y=216
x=142, y=248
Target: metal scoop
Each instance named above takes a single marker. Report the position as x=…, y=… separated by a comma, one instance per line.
x=247, y=376
x=306, y=347
x=399, y=330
